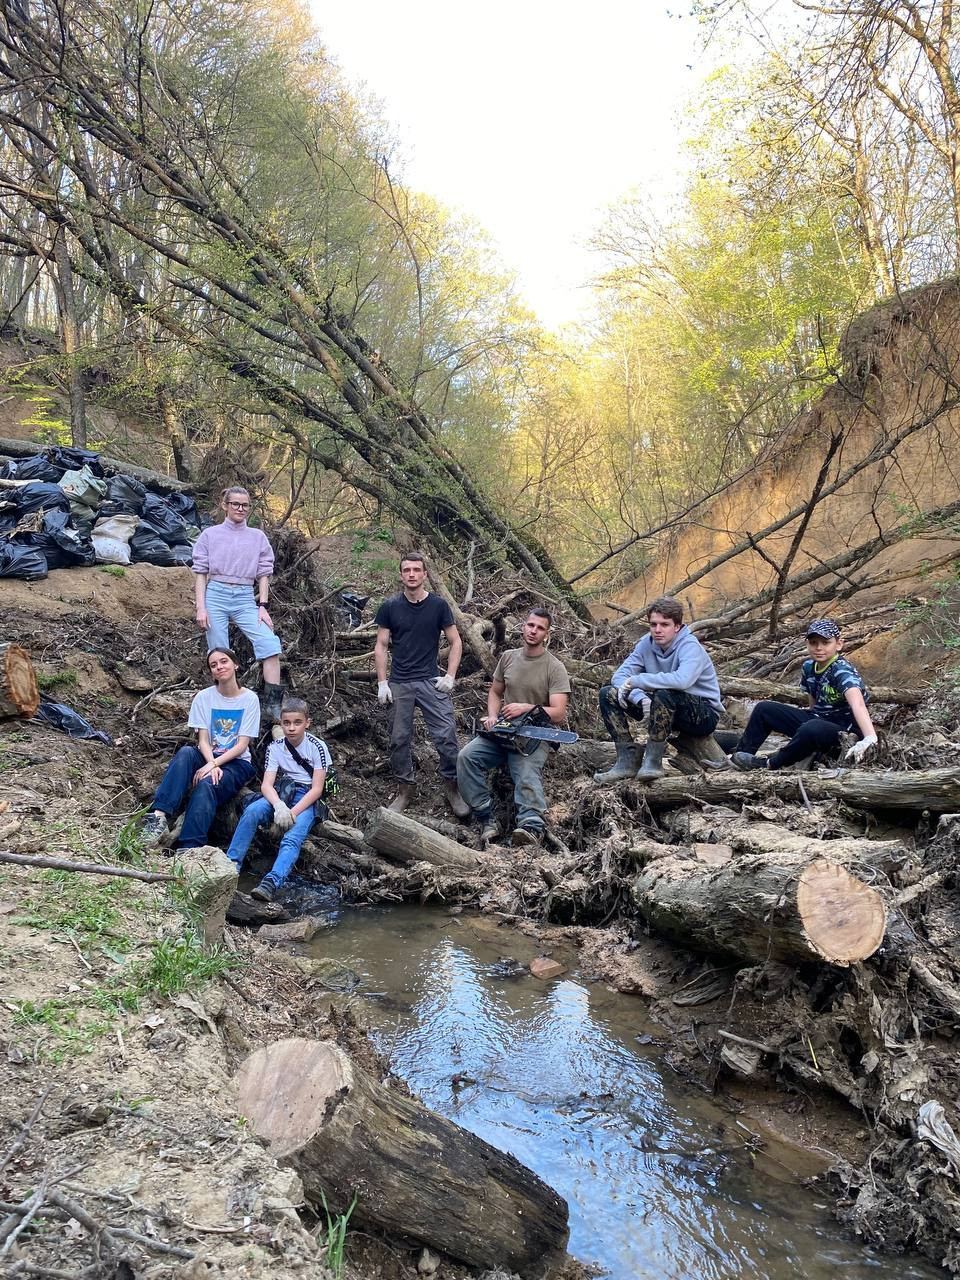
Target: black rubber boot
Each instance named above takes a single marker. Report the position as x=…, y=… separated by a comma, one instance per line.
x=271, y=700
x=652, y=766
x=627, y=763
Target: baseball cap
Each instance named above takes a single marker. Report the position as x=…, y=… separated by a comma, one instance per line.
x=825, y=627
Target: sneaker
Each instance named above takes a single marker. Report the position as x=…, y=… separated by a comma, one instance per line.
x=264, y=892
x=745, y=761
x=524, y=837
x=155, y=827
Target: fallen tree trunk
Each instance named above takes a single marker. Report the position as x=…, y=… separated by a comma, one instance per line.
x=406, y=840
x=934, y=789
x=741, y=687
x=746, y=835
x=19, y=694
x=24, y=449
x=757, y=908
x=414, y=1173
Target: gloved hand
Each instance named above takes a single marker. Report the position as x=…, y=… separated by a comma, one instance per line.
x=860, y=749
x=384, y=696
x=282, y=817
x=623, y=693
x=444, y=684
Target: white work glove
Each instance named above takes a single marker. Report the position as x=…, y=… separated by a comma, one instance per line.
x=384, y=696
x=282, y=817
x=860, y=749
x=625, y=690
x=444, y=684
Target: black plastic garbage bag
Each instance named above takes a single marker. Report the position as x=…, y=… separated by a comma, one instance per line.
x=162, y=519
x=185, y=507
x=127, y=493
x=73, y=459
x=38, y=467
x=147, y=547
x=350, y=606
x=40, y=497
x=69, y=721
x=63, y=546
x=22, y=562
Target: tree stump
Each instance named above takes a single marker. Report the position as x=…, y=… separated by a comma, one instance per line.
x=406, y=840
x=19, y=695
x=760, y=908
x=414, y=1173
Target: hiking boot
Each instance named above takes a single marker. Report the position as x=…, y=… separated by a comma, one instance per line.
x=266, y=891
x=490, y=831
x=652, y=767
x=524, y=837
x=705, y=750
x=745, y=761
x=626, y=765
x=155, y=827
x=455, y=801
x=271, y=700
x=405, y=793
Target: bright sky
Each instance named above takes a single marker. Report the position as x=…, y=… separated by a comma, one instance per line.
x=529, y=115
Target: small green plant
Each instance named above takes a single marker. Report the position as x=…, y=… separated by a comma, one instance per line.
x=65, y=679
x=127, y=844
x=114, y=570
x=182, y=964
x=333, y=1236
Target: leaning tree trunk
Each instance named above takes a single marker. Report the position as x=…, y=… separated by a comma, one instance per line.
x=19, y=694
x=934, y=789
x=759, y=908
x=405, y=840
x=414, y=1173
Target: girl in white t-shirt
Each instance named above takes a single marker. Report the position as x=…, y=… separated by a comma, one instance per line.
x=206, y=776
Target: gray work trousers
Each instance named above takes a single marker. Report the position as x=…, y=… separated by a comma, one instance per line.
x=437, y=709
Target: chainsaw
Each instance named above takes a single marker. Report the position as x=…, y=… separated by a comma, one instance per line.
x=525, y=733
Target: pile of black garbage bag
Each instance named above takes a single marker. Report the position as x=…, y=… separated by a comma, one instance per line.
x=65, y=511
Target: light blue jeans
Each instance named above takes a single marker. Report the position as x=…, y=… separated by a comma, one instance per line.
x=226, y=603
x=480, y=755
x=259, y=813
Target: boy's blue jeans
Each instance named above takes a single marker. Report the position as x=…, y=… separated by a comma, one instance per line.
x=204, y=799
x=259, y=813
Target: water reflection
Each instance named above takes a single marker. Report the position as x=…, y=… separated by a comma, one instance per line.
x=661, y=1186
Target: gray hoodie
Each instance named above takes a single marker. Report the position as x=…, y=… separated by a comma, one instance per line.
x=685, y=665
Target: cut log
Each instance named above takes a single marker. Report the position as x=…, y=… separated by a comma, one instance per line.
x=742, y=687
x=405, y=840
x=935, y=789
x=19, y=694
x=414, y=1173
x=757, y=908
x=749, y=836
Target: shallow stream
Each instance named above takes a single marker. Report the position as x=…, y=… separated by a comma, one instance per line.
x=661, y=1183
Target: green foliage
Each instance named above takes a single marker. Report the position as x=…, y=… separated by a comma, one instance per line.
x=182, y=964
x=333, y=1236
x=65, y=679
x=127, y=843
x=114, y=570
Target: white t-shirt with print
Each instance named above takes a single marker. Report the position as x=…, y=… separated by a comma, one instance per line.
x=225, y=719
x=314, y=751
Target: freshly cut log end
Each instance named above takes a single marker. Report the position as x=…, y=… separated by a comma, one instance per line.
x=414, y=1172
x=844, y=918
x=19, y=694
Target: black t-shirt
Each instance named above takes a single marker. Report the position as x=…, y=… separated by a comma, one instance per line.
x=414, y=635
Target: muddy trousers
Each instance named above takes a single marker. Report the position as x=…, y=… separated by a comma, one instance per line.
x=437, y=710
x=671, y=711
x=807, y=732
x=480, y=755
x=204, y=798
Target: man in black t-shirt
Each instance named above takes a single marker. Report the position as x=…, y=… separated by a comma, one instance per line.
x=410, y=625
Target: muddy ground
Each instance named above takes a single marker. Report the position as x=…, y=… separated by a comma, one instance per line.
x=128, y=1036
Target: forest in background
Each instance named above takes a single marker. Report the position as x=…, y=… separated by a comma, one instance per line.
x=205, y=220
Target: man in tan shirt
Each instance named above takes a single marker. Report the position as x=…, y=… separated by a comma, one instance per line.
x=525, y=679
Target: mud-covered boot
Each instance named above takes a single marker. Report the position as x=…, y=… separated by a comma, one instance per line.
x=455, y=801
x=271, y=700
x=626, y=765
x=405, y=793
x=652, y=767
x=705, y=750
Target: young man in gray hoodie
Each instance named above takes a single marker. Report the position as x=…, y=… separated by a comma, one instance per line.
x=671, y=672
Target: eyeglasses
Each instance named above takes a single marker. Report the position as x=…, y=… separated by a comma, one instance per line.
x=241, y=506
